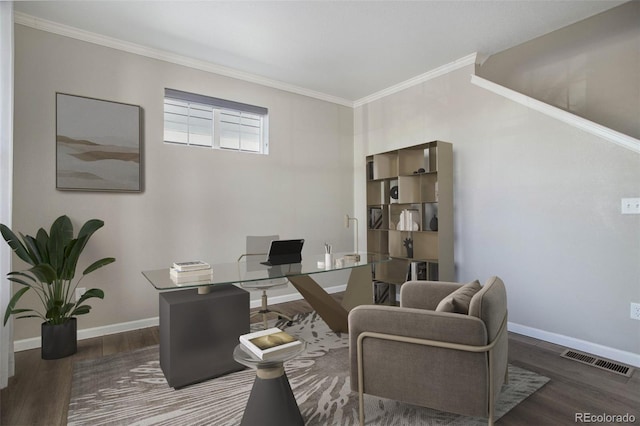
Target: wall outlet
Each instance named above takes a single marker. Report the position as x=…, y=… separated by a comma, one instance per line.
x=635, y=311
x=630, y=206
x=79, y=292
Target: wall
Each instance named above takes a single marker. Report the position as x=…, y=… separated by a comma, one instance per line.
x=589, y=68
x=197, y=203
x=536, y=202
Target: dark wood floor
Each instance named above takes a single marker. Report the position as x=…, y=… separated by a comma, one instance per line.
x=39, y=392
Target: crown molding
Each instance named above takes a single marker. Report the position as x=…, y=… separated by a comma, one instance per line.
x=596, y=129
x=162, y=55
x=114, y=43
x=436, y=72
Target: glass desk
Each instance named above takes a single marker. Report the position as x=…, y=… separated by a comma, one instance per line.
x=201, y=322
x=359, y=289
x=271, y=401
x=237, y=272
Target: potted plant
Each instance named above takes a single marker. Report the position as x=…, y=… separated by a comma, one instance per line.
x=53, y=258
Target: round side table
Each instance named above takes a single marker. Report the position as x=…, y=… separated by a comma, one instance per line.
x=271, y=402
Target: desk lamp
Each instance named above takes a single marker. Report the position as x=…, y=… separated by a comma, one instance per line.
x=355, y=257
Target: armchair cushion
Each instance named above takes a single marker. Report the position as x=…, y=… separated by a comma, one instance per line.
x=425, y=294
x=458, y=301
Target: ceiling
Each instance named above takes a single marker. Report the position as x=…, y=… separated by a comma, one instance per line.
x=344, y=49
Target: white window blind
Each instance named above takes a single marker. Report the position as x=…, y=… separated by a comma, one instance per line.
x=192, y=119
x=188, y=123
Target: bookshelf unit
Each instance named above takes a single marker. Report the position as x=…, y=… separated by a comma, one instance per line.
x=406, y=189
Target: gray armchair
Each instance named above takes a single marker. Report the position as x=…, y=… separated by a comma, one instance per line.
x=443, y=360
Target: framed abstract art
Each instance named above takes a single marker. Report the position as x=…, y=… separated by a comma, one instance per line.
x=98, y=145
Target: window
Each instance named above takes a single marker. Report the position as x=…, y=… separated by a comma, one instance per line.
x=191, y=119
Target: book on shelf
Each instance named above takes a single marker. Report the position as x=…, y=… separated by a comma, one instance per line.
x=193, y=265
x=423, y=270
x=418, y=271
x=375, y=217
x=380, y=292
x=270, y=343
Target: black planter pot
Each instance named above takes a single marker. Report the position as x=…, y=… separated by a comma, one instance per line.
x=60, y=340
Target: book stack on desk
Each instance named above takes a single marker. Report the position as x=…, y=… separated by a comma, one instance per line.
x=270, y=343
x=192, y=271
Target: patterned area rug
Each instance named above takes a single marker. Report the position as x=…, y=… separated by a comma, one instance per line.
x=130, y=389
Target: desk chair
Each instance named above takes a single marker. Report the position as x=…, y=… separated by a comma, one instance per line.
x=257, y=249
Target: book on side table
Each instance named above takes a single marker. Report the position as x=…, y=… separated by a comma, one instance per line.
x=270, y=343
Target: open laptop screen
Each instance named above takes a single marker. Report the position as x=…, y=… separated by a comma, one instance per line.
x=285, y=251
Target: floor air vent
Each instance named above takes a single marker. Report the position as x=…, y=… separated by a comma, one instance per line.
x=614, y=367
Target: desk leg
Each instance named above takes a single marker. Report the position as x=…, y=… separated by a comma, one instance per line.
x=359, y=288
x=359, y=291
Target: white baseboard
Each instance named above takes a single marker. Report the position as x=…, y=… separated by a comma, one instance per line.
x=624, y=357
x=35, y=342
x=88, y=333
x=558, y=339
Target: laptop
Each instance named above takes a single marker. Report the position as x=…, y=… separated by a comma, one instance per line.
x=282, y=252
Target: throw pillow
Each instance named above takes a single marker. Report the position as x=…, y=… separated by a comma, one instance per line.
x=458, y=301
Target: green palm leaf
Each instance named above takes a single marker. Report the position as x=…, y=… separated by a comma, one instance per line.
x=44, y=272
x=60, y=235
x=93, y=292
x=42, y=240
x=32, y=247
x=16, y=245
x=12, y=276
x=90, y=227
x=20, y=281
x=71, y=256
x=78, y=246
x=36, y=315
x=12, y=303
x=66, y=308
x=98, y=264
x=81, y=310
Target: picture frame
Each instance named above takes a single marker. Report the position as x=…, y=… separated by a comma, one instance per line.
x=98, y=145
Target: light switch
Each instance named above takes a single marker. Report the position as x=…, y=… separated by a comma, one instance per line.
x=631, y=206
